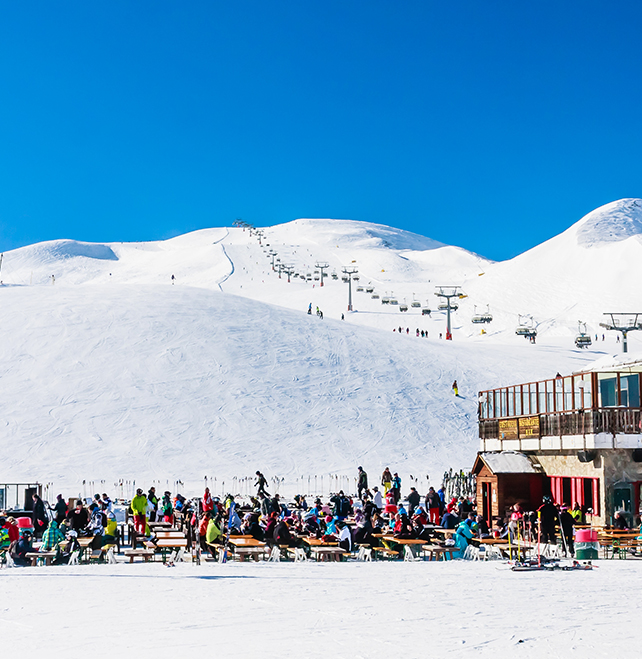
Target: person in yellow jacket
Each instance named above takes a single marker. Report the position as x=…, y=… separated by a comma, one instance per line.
x=213, y=535
x=139, y=510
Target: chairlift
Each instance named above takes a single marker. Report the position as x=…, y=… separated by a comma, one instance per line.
x=393, y=300
x=308, y=277
x=369, y=289
x=443, y=306
x=526, y=327
x=375, y=296
x=385, y=299
x=415, y=303
x=344, y=279
x=355, y=277
x=316, y=277
x=485, y=317
x=403, y=306
x=359, y=289
x=583, y=339
x=335, y=275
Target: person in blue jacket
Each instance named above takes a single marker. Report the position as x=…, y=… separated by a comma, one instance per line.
x=461, y=538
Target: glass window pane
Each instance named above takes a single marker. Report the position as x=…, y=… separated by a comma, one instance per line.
x=526, y=401
x=549, y=396
x=491, y=404
x=568, y=393
x=630, y=390
x=588, y=398
x=559, y=394
x=503, y=402
x=511, y=401
x=534, y=399
x=607, y=383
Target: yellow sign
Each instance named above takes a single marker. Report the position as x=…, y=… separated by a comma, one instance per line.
x=508, y=428
x=529, y=426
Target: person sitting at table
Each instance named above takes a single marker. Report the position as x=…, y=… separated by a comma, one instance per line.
x=254, y=528
x=433, y=504
x=449, y=520
x=402, y=528
x=377, y=499
x=619, y=522
x=577, y=513
x=79, y=518
x=97, y=525
x=311, y=524
x=214, y=535
x=482, y=528
x=51, y=537
x=21, y=548
x=330, y=528
x=345, y=536
x=461, y=538
x=270, y=526
x=282, y=535
x=363, y=532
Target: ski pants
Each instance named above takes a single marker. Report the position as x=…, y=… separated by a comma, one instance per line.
x=548, y=534
x=140, y=523
x=434, y=515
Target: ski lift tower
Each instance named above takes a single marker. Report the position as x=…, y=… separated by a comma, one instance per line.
x=272, y=255
x=289, y=270
x=623, y=322
x=322, y=266
x=349, y=271
x=449, y=292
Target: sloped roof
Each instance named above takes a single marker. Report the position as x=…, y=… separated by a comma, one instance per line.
x=508, y=462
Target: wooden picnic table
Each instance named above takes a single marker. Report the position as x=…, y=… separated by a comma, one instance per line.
x=245, y=545
x=317, y=542
x=404, y=541
x=438, y=529
x=323, y=552
x=35, y=555
x=437, y=552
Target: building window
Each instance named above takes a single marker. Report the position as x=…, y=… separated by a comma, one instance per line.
x=630, y=390
x=607, y=389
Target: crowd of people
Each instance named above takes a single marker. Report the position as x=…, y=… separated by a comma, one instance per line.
x=363, y=519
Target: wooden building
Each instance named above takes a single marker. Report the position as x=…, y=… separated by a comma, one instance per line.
x=583, y=431
x=504, y=479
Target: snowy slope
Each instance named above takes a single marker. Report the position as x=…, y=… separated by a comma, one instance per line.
x=113, y=373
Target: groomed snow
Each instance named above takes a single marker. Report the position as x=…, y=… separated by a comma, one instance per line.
x=344, y=611
x=112, y=373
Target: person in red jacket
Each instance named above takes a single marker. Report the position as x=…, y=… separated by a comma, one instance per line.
x=208, y=504
x=12, y=529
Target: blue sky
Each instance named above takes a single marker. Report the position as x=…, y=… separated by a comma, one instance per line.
x=490, y=125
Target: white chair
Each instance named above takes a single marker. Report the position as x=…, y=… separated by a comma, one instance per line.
x=408, y=554
x=73, y=558
x=364, y=554
x=275, y=554
x=299, y=555
x=111, y=558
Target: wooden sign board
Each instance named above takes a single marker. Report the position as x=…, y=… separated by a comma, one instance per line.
x=508, y=429
x=529, y=426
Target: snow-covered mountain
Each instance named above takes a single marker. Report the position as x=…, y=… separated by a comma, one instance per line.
x=111, y=372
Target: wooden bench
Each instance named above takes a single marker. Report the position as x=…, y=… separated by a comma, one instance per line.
x=386, y=553
x=146, y=554
x=36, y=555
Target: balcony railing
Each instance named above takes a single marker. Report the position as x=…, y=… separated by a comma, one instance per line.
x=625, y=421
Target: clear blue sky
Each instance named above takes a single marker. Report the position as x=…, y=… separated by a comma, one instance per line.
x=490, y=125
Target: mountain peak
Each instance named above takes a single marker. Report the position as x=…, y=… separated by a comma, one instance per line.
x=611, y=223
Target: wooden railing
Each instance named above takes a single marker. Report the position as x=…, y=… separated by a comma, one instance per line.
x=625, y=421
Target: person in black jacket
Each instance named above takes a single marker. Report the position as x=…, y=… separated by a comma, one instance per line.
x=40, y=521
x=342, y=507
x=21, y=548
x=282, y=535
x=413, y=501
x=566, y=525
x=362, y=482
x=78, y=517
x=60, y=509
x=548, y=516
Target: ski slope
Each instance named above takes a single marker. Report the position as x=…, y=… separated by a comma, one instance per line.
x=111, y=373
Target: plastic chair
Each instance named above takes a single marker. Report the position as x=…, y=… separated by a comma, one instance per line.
x=275, y=555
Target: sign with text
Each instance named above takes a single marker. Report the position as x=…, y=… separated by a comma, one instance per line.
x=508, y=428
x=529, y=426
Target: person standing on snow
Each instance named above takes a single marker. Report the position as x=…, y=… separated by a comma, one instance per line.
x=208, y=504
x=362, y=482
x=139, y=510
x=396, y=487
x=386, y=480
x=455, y=388
x=153, y=500
x=433, y=505
x=40, y=521
x=310, y=309
x=548, y=516
x=167, y=508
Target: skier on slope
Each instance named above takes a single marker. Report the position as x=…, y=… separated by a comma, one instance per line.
x=455, y=388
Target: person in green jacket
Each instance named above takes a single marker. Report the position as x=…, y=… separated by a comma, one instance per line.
x=51, y=537
x=213, y=534
x=139, y=510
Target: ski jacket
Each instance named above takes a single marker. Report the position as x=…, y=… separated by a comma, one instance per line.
x=213, y=532
x=51, y=537
x=139, y=504
x=363, y=479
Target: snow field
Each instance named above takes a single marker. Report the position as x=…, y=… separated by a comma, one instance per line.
x=347, y=611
